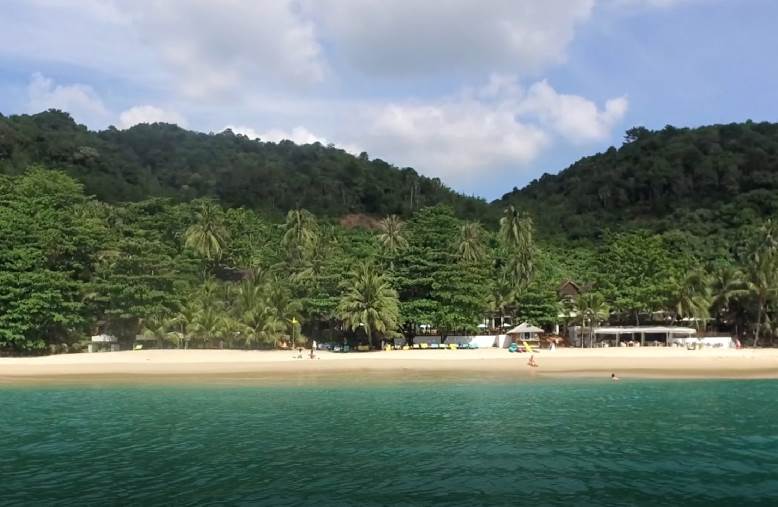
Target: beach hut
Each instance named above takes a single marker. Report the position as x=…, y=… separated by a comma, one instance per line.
x=525, y=332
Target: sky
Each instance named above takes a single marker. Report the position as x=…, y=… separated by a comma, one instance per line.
x=487, y=95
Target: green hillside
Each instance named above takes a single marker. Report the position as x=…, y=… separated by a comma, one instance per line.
x=162, y=160
x=709, y=182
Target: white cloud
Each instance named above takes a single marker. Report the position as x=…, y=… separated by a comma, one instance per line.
x=298, y=135
x=575, y=118
x=217, y=48
x=404, y=37
x=480, y=132
x=78, y=99
x=149, y=114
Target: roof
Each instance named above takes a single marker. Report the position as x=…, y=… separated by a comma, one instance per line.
x=644, y=329
x=524, y=328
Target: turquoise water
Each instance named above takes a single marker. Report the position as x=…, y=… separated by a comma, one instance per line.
x=419, y=443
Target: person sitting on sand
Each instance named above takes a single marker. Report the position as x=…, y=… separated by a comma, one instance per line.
x=532, y=362
x=614, y=377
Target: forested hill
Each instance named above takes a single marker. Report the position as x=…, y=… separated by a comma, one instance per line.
x=707, y=181
x=165, y=160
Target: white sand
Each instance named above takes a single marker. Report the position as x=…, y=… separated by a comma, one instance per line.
x=625, y=362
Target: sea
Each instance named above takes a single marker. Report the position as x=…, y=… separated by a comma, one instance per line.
x=409, y=441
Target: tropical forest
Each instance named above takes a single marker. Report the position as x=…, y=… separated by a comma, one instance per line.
x=201, y=240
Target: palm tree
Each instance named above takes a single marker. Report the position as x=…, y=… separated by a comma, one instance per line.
x=208, y=235
x=761, y=284
x=516, y=236
x=503, y=295
x=692, y=297
x=392, y=235
x=300, y=233
x=471, y=247
x=285, y=308
x=591, y=307
x=369, y=302
x=157, y=327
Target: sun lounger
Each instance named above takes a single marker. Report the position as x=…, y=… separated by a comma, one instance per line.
x=453, y=346
x=425, y=346
x=416, y=346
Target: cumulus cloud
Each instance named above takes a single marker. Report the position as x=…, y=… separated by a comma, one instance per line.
x=575, y=118
x=464, y=137
x=298, y=135
x=78, y=99
x=149, y=114
x=214, y=48
x=410, y=37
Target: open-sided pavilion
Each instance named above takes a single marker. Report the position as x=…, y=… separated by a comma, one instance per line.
x=638, y=333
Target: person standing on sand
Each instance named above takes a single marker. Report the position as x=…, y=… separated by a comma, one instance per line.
x=532, y=362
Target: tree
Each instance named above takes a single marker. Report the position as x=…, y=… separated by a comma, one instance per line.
x=516, y=237
x=471, y=247
x=207, y=235
x=591, y=308
x=760, y=285
x=300, y=234
x=391, y=234
x=691, y=298
x=635, y=272
x=370, y=303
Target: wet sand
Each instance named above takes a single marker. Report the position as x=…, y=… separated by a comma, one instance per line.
x=151, y=366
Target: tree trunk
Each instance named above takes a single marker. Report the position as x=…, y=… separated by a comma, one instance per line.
x=637, y=318
x=758, y=324
x=369, y=337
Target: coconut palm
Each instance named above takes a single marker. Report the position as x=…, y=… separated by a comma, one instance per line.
x=369, y=302
x=285, y=308
x=760, y=285
x=471, y=245
x=516, y=236
x=725, y=284
x=207, y=235
x=591, y=308
x=300, y=233
x=692, y=297
x=392, y=234
x=158, y=327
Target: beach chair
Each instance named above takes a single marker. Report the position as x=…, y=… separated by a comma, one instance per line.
x=416, y=346
x=453, y=346
x=473, y=346
x=138, y=347
x=425, y=346
x=528, y=348
x=434, y=346
x=406, y=347
x=346, y=348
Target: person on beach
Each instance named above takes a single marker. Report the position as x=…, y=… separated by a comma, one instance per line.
x=614, y=378
x=532, y=362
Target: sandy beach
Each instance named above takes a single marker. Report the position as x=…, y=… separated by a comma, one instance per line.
x=196, y=364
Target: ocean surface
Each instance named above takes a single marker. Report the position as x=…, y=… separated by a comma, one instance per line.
x=402, y=442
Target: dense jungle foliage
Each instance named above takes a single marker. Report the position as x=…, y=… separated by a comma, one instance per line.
x=97, y=234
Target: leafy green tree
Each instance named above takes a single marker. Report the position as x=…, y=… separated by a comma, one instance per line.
x=635, y=273
x=369, y=302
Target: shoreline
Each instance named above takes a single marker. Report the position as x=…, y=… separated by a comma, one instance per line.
x=198, y=365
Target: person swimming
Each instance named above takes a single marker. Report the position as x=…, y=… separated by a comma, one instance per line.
x=614, y=377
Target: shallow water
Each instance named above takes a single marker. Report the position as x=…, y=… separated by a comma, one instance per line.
x=458, y=442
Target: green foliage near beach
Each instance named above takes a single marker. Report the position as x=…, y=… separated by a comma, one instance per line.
x=144, y=233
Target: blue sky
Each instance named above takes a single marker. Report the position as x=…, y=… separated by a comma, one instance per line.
x=486, y=95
